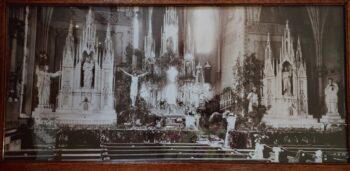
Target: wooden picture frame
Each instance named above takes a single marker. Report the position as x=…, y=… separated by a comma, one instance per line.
x=87, y=166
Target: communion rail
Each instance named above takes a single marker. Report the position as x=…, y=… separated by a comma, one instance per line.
x=134, y=152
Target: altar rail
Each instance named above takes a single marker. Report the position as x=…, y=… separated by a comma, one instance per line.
x=134, y=152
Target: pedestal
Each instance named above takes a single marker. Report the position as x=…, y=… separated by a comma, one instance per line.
x=46, y=116
x=332, y=118
x=306, y=121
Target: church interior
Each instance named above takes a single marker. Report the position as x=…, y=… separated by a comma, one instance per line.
x=216, y=79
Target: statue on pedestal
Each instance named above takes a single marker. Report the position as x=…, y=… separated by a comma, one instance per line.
x=253, y=99
x=43, y=84
x=331, y=96
x=331, y=99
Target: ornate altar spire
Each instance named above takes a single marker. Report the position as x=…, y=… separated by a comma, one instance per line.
x=108, y=49
x=89, y=34
x=136, y=31
x=189, y=48
x=298, y=53
x=287, y=50
x=150, y=12
x=68, y=51
x=299, y=60
x=170, y=17
x=170, y=32
x=268, y=48
x=268, y=57
x=149, y=41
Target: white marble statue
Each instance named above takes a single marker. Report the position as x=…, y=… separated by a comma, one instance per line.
x=253, y=99
x=88, y=75
x=43, y=84
x=286, y=78
x=231, y=123
x=134, y=85
x=331, y=96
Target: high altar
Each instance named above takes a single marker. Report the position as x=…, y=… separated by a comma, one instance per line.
x=86, y=93
x=285, y=87
x=185, y=83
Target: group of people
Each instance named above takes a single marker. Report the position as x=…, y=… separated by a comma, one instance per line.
x=280, y=154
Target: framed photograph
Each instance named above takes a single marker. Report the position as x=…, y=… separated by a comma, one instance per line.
x=174, y=85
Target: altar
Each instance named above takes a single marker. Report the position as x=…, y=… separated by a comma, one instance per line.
x=86, y=93
x=285, y=91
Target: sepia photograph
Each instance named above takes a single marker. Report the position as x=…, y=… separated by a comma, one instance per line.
x=254, y=84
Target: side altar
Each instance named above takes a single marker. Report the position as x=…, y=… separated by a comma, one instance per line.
x=86, y=90
x=285, y=87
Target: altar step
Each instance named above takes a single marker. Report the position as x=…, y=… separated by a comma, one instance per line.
x=168, y=151
x=134, y=152
x=80, y=154
x=30, y=154
x=150, y=144
x=125, y=152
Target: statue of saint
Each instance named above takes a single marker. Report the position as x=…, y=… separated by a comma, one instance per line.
x=134, y=85
x=253, y=100
x=87, y=68
x=331, y=96
x=286, y=79
x=43, y=84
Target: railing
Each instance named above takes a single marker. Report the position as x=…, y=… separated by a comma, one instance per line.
x=171, y=152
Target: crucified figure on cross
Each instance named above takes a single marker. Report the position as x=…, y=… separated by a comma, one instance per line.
x=134, y=87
